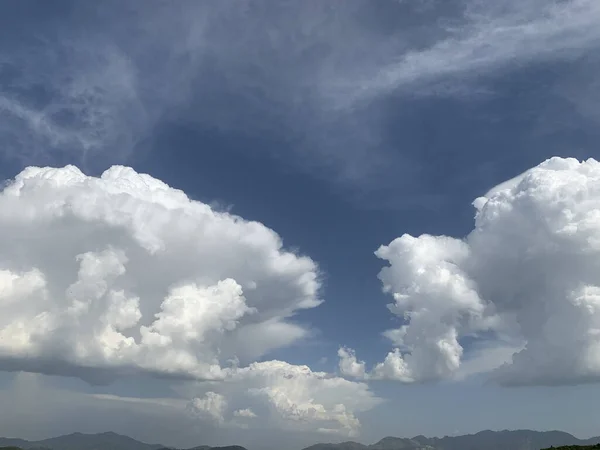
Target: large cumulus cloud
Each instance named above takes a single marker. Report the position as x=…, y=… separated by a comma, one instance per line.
x=121, y=274
x=527, y=276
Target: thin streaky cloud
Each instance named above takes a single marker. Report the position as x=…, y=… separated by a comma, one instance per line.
x=309, y=76
x=489, y=41
x=166, y=402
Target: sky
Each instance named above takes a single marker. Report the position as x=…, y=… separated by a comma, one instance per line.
x=279, y=223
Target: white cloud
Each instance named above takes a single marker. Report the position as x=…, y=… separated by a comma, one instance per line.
x=349, y=365
x=66, y=98
x=122, y=274
x=291, y=397
x=173, y=403
x=103, y=91
x=212, y=405
x=487, y=38
x=246, y=413
x=524, y=281
x=291, y=69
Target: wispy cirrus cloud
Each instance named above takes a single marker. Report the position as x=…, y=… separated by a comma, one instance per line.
x=489, y=37
x=93, y=84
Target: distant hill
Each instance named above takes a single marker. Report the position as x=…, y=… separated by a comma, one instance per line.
x=575, y=447
x=206, y=447
x=484, y=440
x=388, y=443
x=81, y=441
x=7, y=443
x=100, y=441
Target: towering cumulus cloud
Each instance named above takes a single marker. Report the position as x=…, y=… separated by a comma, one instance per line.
x=528, y=274
x=123, y=274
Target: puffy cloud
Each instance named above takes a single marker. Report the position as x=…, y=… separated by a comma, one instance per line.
x=526, y=278
x=246, y=413
x=212, y=406
x=291, y=397
x=122, y=274
x=349, y=365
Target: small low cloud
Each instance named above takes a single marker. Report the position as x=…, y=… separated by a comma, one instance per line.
x=246, y=413
x=211, y=406
x=276, y=394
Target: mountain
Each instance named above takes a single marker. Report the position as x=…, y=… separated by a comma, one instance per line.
x=342, y=446
x=206, y=447
x=6, y=443
x=100, y=441
x=484, y=440
x=502, y=440
x=575, y=447
x=80, y=441
x=388, y=443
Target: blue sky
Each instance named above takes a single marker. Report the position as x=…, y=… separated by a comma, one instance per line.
x=341, y=126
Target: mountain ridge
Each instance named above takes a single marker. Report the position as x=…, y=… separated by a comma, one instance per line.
x=482, y=440
x=82, y=441
x=95, y=441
